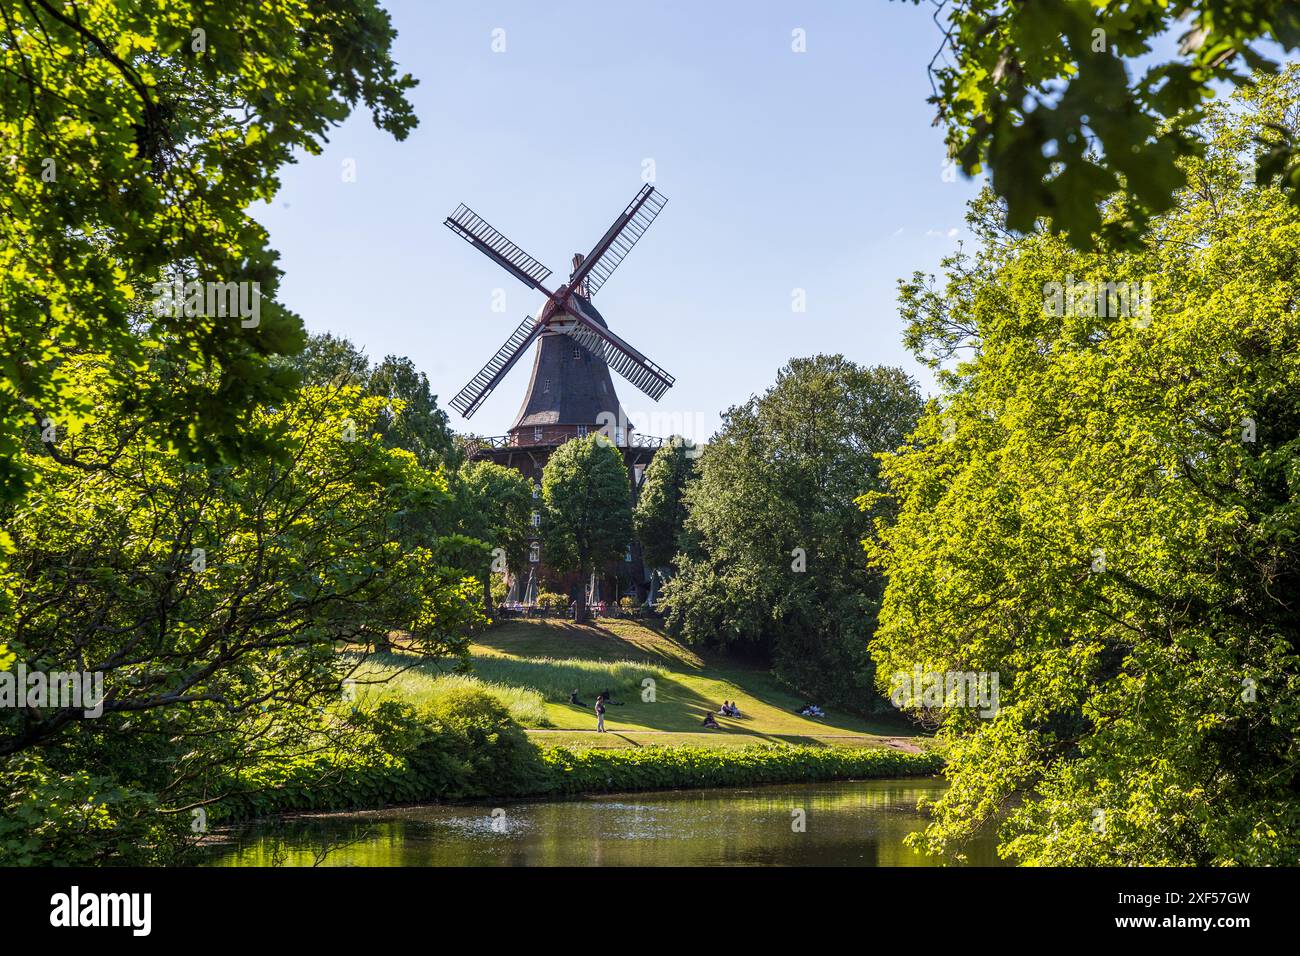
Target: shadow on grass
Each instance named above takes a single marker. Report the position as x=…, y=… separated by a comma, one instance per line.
x=613, y=640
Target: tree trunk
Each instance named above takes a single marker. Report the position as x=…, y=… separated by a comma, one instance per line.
x=580, y=615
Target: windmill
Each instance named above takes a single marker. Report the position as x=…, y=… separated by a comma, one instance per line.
x=568, y=312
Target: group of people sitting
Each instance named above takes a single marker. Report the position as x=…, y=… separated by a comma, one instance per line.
x=604, y=695
x=810, y=710
x=728, y=709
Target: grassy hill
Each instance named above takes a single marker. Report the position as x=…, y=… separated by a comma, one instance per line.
x=532, y=666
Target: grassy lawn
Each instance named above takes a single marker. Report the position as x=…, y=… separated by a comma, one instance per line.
x=533, y=665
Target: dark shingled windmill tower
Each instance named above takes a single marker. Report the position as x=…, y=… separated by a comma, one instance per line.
x=570, y=393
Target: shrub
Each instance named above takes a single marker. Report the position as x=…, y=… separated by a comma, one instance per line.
x=53, y=818
x=551, y=601
x=495, y=754
x=651, y=768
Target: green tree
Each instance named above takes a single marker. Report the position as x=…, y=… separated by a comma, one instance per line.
x=495, y=505
x=1100, y=508
x=1051, y=98
x=214, y=601
x=661, y=505
x=769, y=565
x=586, y=509
x=141, y=136
x=421, y=427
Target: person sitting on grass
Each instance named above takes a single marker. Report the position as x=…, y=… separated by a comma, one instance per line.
x=609, y=698
x=573, y=699
x=710, y=722
x=730, y=709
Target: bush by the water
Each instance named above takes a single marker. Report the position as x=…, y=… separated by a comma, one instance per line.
x=466, y=746
x=655, y=768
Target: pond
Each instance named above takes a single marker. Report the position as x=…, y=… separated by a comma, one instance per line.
x=859, y=823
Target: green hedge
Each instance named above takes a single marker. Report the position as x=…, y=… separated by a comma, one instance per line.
x=657, y=768
x=466, y=747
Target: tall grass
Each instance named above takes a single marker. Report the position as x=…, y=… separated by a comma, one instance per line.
x=392, y=677
x=523, y=684
x=555, y=679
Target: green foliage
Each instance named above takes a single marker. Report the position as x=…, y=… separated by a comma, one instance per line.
x=139, y=149
x=661, y=504
x=420, y=427
x=551, y=601
x=655, y=768
x=82, y=819
x=1101, y=508
x=769, y=565
x=495, y=504
x=469, y=751
x=211, y=599
x=587, y=508
x=1041, y=94
x=405, y=677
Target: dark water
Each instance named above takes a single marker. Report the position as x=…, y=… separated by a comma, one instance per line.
x=845, y=824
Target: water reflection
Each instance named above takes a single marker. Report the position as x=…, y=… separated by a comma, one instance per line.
x=843, y=824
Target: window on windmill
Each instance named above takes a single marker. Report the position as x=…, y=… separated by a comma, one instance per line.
x=582, y=431
x=535, y=552
x=537, y=489
x=547, y=386
x=537, y=433
x=628, y=556
x=577, y=353
x=537, y=519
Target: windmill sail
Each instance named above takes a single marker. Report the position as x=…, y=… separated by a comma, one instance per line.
x=474, y=229
x=618, y=240
x=621, y=357
x=469, y=398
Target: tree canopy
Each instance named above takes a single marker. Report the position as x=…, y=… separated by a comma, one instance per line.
x=587, y=508
x=661, y=504
x=1100, y=509
x=769, y=565
x=139, y=134
x=1079, y=115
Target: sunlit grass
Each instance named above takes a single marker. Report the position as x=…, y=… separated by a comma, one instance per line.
x=555, y=678
x=392, y=677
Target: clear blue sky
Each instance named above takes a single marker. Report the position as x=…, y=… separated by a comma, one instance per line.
x=783, y=170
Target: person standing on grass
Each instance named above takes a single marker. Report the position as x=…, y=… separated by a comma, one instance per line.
x=600, y=714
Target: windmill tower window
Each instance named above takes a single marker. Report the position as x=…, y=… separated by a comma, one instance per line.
x=547, y=386
x=537, y=519
x=537, y=434
x=577, y=353
x=537, y=490
x=582, y=431
x=535, y=552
